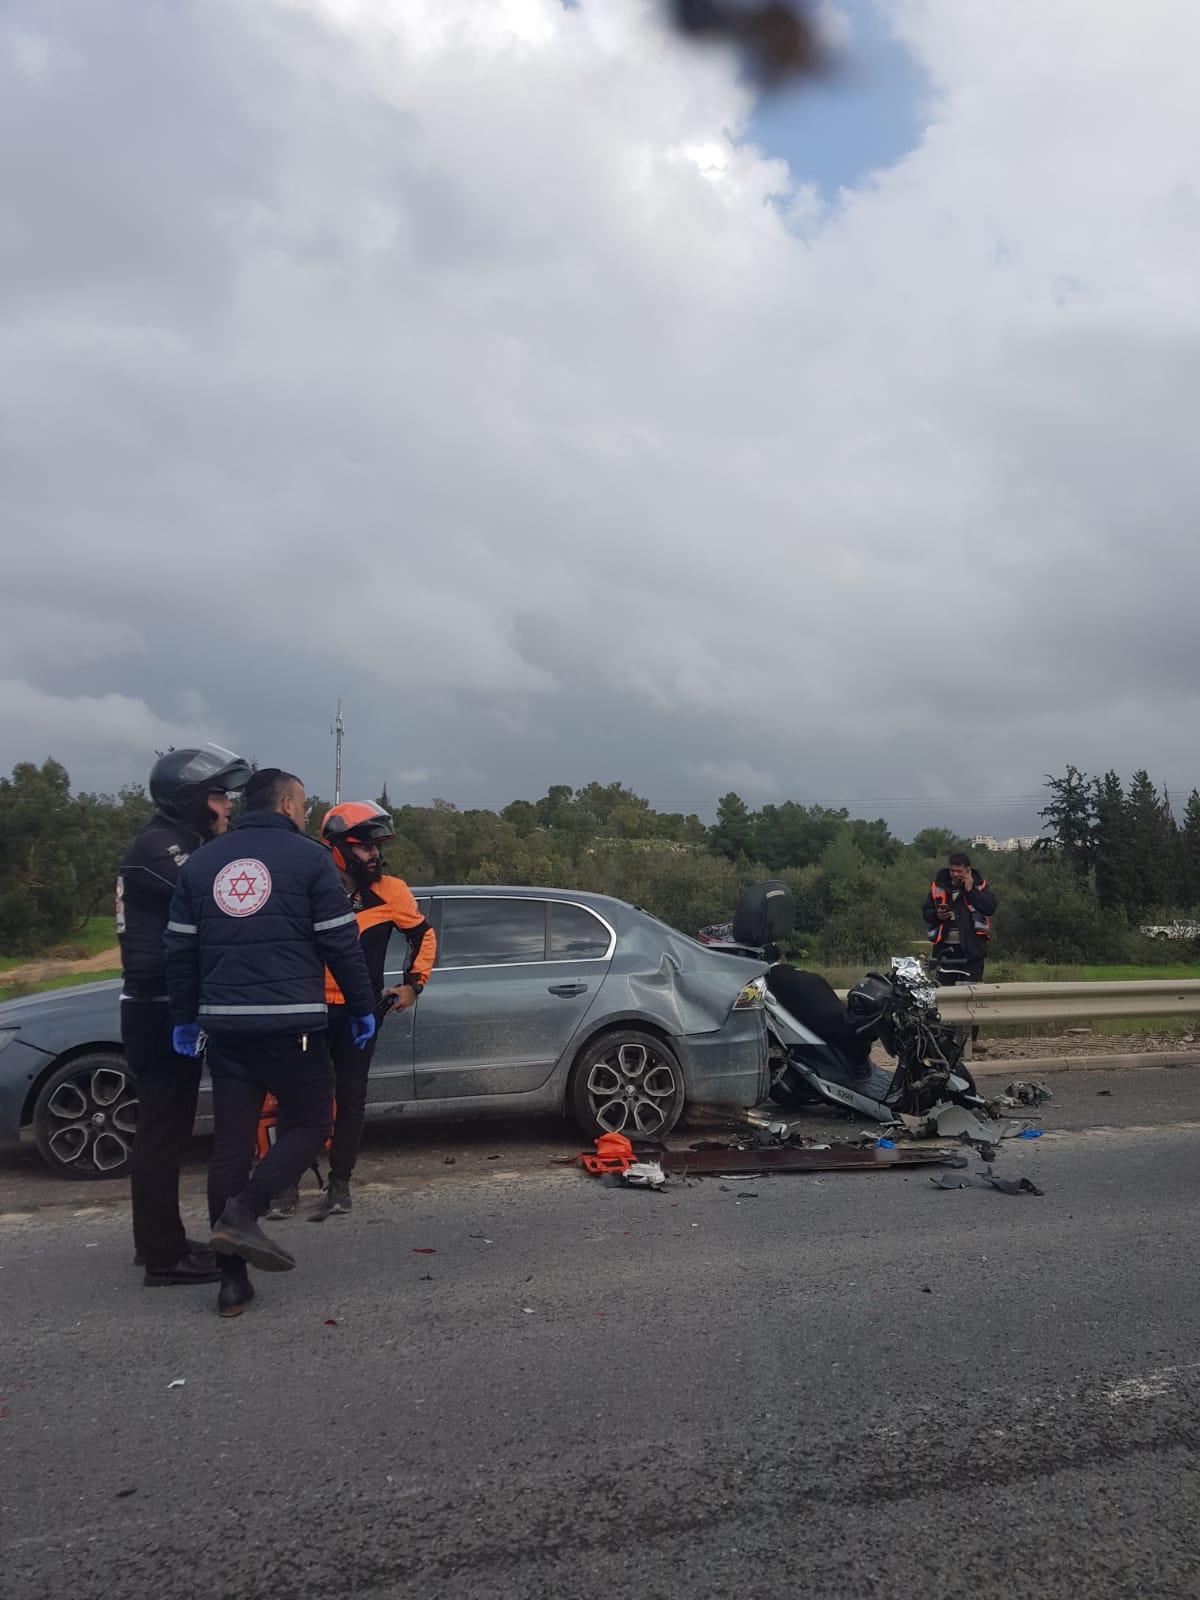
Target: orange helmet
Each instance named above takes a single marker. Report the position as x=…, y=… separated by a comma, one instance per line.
x=355, y=822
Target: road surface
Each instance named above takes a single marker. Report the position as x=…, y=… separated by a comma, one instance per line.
x=848, y=1385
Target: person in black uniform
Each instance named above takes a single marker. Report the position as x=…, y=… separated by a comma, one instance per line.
x=192, y=795
x=254, y=921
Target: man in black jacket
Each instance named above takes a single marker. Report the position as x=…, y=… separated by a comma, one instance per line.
x=191, y=794
x=958, y=914
x=255, y=919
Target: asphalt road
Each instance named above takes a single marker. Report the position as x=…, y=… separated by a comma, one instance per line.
x=846, y=1385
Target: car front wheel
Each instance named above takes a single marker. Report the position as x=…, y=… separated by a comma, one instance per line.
x=626, y=1082
x=85, y=1116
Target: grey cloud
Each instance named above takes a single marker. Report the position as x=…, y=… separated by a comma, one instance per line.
x=388, y=360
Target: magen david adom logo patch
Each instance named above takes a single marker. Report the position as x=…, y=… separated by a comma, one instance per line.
x=242, y=888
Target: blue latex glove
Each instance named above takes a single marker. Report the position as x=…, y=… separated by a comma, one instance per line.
x=185, y=1039
x=362, y=1030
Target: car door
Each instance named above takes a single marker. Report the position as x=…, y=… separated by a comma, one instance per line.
x=391, y=1079
x=515, y=977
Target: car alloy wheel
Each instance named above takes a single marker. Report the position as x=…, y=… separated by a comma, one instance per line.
x=628, y=1083
x=85, y=1118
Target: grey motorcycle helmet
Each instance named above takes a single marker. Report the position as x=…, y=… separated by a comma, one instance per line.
x=182, y=780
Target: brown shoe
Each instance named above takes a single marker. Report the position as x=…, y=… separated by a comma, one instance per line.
x=237, y=1233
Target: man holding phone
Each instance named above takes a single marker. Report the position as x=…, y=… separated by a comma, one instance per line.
x=958, y=914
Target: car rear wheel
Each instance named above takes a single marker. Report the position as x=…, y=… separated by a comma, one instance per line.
x=85, y=1116
x=627, y=1082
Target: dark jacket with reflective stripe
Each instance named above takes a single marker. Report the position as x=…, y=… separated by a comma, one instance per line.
x=255, y=919
x=145, y=885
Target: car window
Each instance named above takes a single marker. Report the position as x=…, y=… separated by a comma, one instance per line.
x=576, y=934
x=398, y=954
x=486, y=933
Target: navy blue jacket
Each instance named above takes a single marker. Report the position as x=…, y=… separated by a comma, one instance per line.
x=255, y=918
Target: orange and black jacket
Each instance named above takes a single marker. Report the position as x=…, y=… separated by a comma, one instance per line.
x=974, y=909
x=386, y=905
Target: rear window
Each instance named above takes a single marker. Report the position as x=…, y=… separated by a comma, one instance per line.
x=488, y=933
x=576, y=934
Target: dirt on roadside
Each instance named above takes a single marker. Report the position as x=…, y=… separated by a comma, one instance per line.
x=39, y=971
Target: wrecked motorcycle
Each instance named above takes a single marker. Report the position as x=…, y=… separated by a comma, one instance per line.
x=821, y=1049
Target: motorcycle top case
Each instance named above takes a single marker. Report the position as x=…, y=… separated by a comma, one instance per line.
x=765, y=914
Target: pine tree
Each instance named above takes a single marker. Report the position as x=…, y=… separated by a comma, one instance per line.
x=733, y=833
x=1152, y=846
x=1189, y=854
x=1114, y=846
x=1071, y=815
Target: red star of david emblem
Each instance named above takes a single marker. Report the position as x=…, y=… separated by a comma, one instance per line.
x=242, y=887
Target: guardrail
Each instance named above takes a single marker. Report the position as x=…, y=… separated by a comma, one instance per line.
x=1063, y=1002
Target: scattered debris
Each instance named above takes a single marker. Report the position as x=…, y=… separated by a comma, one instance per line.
x=644, y=1175
x=1031, y=1133
x=1009, y=1186
x=925, y=1289
x=1103, y=1092
x=330, y=1322
x=423, y=1250
x=123, y=1494
x=747, y=1194
x=528, y=1310
x=952, y=1122
x=844, y=1158
x=449, y=1161
x=1028, y=1094
x=176, y=1383
x=987, y=1180
x=885, y=1144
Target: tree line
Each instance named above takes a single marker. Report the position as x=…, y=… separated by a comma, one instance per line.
x=1114, y=857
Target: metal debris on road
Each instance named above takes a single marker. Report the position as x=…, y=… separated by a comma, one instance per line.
x=842, y=1159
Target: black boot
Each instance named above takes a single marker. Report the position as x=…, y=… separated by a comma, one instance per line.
x=236, y=1291
x=188, y=1269
x=237, y=1233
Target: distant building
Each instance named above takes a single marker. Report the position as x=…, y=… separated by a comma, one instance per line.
x=985, y=841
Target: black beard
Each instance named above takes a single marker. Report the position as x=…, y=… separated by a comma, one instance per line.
x=366, y=877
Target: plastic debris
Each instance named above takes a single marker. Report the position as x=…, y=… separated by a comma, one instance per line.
x=176, y=1383
x=885, y=1144
x=330, y=1322
x=947, y=1180
x=1028, y=1094
x=1008, y=1186
x=423, y=1250
x=1031, y=1133
x=644, y=1175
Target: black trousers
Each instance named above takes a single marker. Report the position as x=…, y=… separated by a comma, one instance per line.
x=168, y=1086
x=960, y=969
x=245, y=1068
x=350, y=1068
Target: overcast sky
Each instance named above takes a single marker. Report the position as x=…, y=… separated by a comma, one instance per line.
x=500, y=368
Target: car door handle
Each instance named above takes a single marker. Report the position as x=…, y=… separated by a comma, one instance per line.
x=568, y=990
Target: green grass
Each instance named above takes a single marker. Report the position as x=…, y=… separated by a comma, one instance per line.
x=96, y=935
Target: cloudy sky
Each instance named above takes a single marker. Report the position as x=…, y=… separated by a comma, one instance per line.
x=505, y=370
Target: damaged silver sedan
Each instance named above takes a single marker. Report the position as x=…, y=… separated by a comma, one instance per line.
x=541, y=1000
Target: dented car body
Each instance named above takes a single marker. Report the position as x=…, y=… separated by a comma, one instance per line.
x=542, y=1000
